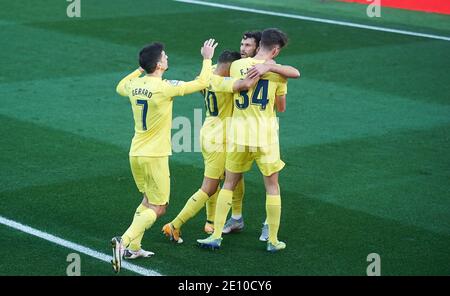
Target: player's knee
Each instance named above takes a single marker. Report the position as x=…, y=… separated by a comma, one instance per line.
x=272, y=188
x=209, y=186
x=161, y=211
x=208, y=190
x=231, y=180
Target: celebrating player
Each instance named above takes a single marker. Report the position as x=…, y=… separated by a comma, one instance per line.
x=151, y=100
x=254, y=136
x=249, y=48
x=219, y=107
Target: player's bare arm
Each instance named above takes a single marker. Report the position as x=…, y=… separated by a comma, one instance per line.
x=245, y=84
x=280, y=103
x=283, y=70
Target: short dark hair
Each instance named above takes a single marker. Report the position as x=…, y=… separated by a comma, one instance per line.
x=228, y=56
x=150, y=55
x=253, y=34
x=273, y=37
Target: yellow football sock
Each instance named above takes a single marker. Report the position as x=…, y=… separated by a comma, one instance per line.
x=238, y=196
x=135, y=245
x=191, y=208
x=143, y=219
x=223, y=207
x=273, y=212
x=211, y=207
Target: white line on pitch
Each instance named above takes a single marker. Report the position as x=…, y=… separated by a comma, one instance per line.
x=81, y=249
x=315, y=19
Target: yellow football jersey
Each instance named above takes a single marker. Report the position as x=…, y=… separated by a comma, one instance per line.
x=151, y=101
x=254, y=117
x=219, y=108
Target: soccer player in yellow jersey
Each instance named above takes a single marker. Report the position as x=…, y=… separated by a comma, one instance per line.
x=249, y=47
x=219, y=108
x=151, y=100
x=254, y=137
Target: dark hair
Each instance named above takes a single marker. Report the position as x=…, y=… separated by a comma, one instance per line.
x=253, y=34
x=228, y=56
x=273, y=37
x=150, y=55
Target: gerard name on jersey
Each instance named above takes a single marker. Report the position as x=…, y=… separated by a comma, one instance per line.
x=141, y=91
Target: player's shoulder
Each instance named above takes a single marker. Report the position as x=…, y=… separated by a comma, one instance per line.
x=241, y=62
x=237, y=67
x=274, y=77
x=216, y=79
x=217, y=82
x=134, y=81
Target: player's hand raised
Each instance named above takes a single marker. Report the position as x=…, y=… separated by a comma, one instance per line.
x=207, y=51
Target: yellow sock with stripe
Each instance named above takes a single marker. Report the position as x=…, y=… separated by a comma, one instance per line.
x=223, y=207
x=143, y=219
x=273, y=212
x=211, y=207
x=238, y=196
x=191, y=208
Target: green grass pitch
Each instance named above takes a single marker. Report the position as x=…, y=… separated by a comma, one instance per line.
x=365, y=138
